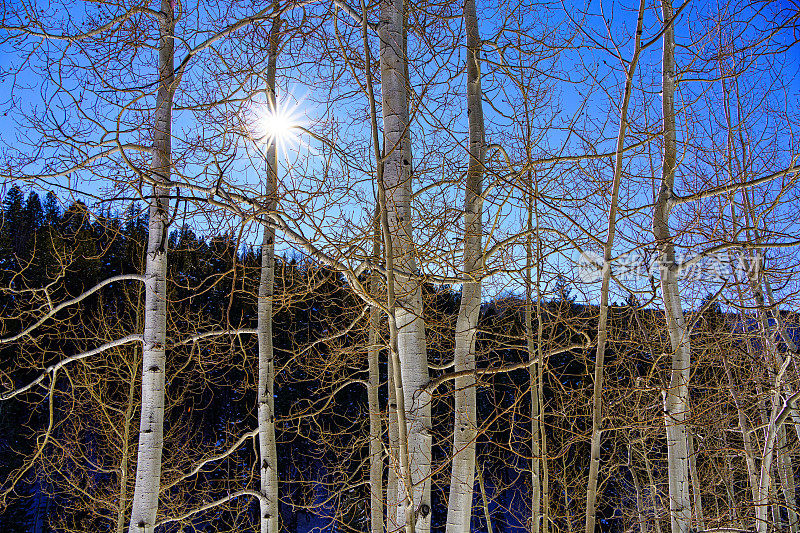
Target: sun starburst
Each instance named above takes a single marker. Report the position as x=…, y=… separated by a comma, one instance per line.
x=276, y=123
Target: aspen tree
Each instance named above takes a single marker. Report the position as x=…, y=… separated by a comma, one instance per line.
x=602, y=324
x=414, y=503
x=676, y=397
x=151, y=426
x=462, y=477
x=268, y=451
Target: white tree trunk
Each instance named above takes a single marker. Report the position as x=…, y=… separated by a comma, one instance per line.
x=392, y=523
x=462, y=476
x=765, y=481
x=749, y=448
x=540, y=497
x=776, y=417
x=376, y=462
x=124, y=462
x=676, y=404
x=744, y=429
x=696, y=490
x=411, y=349
x=151, y=426
x=268, y=451
x=602, y=323
x=786, y=471
x=787, y=468
x=534, y=371
x=411, y=345
x=375, y=426
x=484, y=500
x=676, y=397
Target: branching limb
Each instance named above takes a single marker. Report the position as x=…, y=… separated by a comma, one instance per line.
x=218, y=457
x=63, y=305
x=53, y=368
x=215, y=333
x=211, y=505
x=21, y=472
x=434, y=383
x=716, y=191
x=85, y=35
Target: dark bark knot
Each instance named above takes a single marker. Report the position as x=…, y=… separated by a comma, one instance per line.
x=424, y=510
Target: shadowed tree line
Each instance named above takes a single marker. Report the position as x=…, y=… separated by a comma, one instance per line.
x=67, y=456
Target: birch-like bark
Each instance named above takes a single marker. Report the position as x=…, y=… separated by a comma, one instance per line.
x=788, y=463
x=537, y=430
x=744, y=426
x=778, y=411
x=124, y=462
x=786, y=472
x=544, y=472
x=602, y=324
x=375, y=426
x=754, y=271
x=268, y=451
x=484, y=500
x=766, y=481
x=403, y=502
x=404, y=497
x=676, y=397
x=765, y=488
x=392, y=523
x=784, y=461
x=411, y=351
x=268, y=456
x=760, y=481
x=151, y=426
x=462, y=476
x=539, y=475
x=744, y=429
x=696, y=491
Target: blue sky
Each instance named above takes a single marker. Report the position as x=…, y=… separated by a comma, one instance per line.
x=578, y=91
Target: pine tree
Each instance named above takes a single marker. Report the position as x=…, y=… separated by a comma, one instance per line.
x=52, y=209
